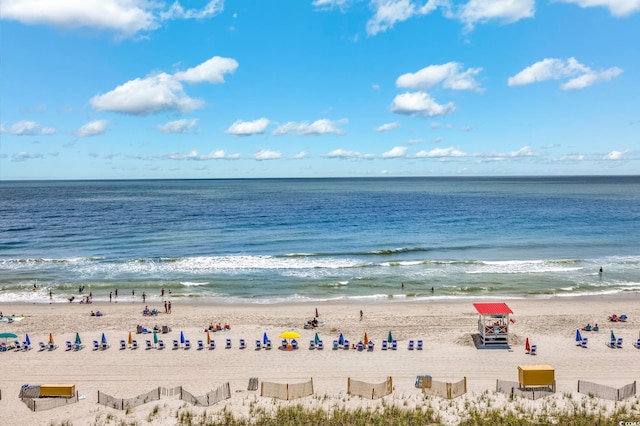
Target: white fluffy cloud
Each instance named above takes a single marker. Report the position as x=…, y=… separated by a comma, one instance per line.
x=389, y=12
x=247, y=128
x=507, y=11
x=163, y=92
x=556, y=69
x=24, y=127
x=318, y=127
x=341, y=153
x=441, y=153
x=93, y=128
x=48, y=131
x=218, y=154
x=616, y=7
x=211, y=71
x=178, y=126
x=387, y=126
x=450, y=75
x=395, y=152
x=266, y=154
x=419, y=104
x=125, y=17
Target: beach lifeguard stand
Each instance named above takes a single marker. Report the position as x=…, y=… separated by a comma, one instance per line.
x=493, y=323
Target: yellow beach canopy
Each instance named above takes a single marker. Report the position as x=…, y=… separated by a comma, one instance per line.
x=289, y=335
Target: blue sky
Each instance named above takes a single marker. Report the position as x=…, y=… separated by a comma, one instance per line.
x=101, y=89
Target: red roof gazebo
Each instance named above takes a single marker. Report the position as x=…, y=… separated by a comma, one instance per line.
x=493, y=323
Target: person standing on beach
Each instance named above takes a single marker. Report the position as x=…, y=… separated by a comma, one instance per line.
x=110, y=296
x=361, y=314
x=116, y=295
x=162, y=292
x=166, y=309
x=144, y=297
x=169, y=306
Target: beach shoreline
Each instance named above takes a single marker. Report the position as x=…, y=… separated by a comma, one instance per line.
x=446, y=327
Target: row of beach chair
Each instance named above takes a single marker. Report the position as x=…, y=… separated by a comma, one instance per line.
x=386, y=345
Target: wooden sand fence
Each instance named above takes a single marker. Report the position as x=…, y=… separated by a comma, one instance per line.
x=369, y=390
x=444, y=389
x=286, y=391
x=607, y=392
x=513, y=389
x=210, y=398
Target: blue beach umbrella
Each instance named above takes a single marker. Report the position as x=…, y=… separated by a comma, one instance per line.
x=104, y=338
x=578, y=336
x=27, y=340
x=341, y=339
x=265, y=339
x=390, y=337
x=181, y=337
x=78, y=341
x=155, y=337
x=317, y=338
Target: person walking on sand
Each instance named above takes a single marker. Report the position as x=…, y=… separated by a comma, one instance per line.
x=361, y=314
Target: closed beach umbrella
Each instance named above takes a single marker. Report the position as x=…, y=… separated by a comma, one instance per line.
x=316, y=338
x=50, y=337
x=208, y=338
x=265, y=339
x=104, y=338
x=317, y=312
x=613, y=336
x=578, y=336
x=130, y=338
x=27, y=340
x=341, y=339
x=78, y=341
x=527, y=347
x=390, y=338
x=181, y=337
x=366, y=338
x=155, y=338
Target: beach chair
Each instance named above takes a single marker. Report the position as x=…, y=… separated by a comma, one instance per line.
x=583, y=342
x=165, y=329
x=394, y=344
x=228, y=344
x=345, y=345
x=96, y=345
x=16, y=345
x=284, y=343
x=43, y=346
x=148, y=344
x=370, y=345
x=534, y=350
x=161, y=344
x=69, y=345
x=312, y=344
x=26, y=346
x=243, y=344
x=187, y=344
x=78, y=346
x=411, y=345
x=52, y=346
x=419, y=345
x=619, y=342
x=612, y=343
x=335, y=344
x=123, y=344
x=268, y=345
x=258, y=344
x=176, y=344
x=294, y=344
x=200, y=345
x=360, y=346
x=104, y=346
x=320, y=345
x=134, y=344
x=385, y=345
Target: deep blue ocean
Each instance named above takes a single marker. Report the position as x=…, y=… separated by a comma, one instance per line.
x=269, y=240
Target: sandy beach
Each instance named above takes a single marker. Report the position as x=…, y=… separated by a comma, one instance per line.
x=446, y=327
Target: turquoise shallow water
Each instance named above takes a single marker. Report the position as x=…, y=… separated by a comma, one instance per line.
x=321, y=239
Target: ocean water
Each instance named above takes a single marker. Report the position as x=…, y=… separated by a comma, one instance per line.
x=271, y=240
